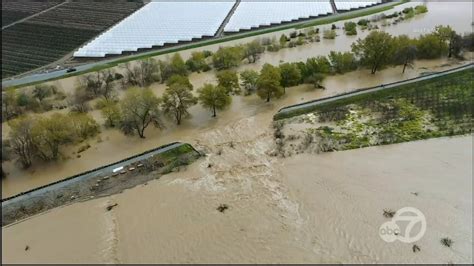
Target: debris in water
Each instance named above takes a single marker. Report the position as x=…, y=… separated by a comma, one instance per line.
x=222, y=207
x=109, y=208
x=415, y=193
x=27, y=248
x=416, y=248
x=446, y=241
x=388, y=213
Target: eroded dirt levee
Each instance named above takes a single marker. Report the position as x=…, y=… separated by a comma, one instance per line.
x=103, y=181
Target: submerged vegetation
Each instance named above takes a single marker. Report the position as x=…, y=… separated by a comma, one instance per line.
x=441, y=106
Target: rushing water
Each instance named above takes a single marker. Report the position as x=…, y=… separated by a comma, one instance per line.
x=307, y=208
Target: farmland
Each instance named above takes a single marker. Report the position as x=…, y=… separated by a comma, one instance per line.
x=51, y=35
x=15, y=10
x=441, y=106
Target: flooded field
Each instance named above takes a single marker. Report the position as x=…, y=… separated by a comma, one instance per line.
x=111, y=145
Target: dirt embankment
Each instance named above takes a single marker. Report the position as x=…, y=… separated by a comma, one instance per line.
x=98, y=183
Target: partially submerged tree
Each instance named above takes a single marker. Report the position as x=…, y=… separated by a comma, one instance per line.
x=138, y=109
x=342, y=62
x=214, y=98
x=405, y=52
x=21, y=139
x=197, y=62
x=43, y=91
x=79, y=101
x=290, y=75
x=375, y=51
x=50, y=133
x=83, y=126
x=9, y=104
x=227, y=57
x=252, y=50
x=429, y=46
x=229, y=80
x=144, y=73
x=249, y=80
x=177, y=99
x=111, y=113
x=268, y=84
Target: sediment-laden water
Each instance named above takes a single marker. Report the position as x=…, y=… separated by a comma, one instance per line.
x=306, y=208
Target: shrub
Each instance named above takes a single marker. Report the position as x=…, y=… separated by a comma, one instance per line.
x=350, y=28
x=421, y=9
x=329, y=34
x=363, y=22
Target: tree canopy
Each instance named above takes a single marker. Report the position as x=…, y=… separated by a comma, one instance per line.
x=214, y=98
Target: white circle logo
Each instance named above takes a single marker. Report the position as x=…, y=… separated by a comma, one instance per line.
x=408, y=217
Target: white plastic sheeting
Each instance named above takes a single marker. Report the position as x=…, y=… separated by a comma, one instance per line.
x=354, y=4
x=255, y=13
x=158, y=23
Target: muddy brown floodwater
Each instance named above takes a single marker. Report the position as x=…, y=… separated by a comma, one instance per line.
x=306, y=208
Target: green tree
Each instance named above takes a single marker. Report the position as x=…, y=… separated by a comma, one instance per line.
x=84, y=126
x=249, y=80
x=9, y=104
x=197, y=62
x=268, y=84
x=177, y=99
x=290, y=75
x=375, y=51
x=42, y=91
x=180, y=80
x=283, y=40
x=405, y=52
x=50, y=133
x=229, y=80
x=252, y=50
x=430, y=47
x=214, y=98
x=111, y=113
x=227, y=57
x=21, y=139
x=342, y=62
x=350, y=28
x=177, y=65
x=138, y=109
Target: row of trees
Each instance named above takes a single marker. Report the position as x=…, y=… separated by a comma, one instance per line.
x=38, y=99
x=380, y=49
x=42, y=137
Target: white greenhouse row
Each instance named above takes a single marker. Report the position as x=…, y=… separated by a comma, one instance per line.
x=163, y=22
x=354, y=4
x=255, y=13
x=158, y=23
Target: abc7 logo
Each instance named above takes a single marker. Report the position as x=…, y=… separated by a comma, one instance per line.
x=390, y=231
